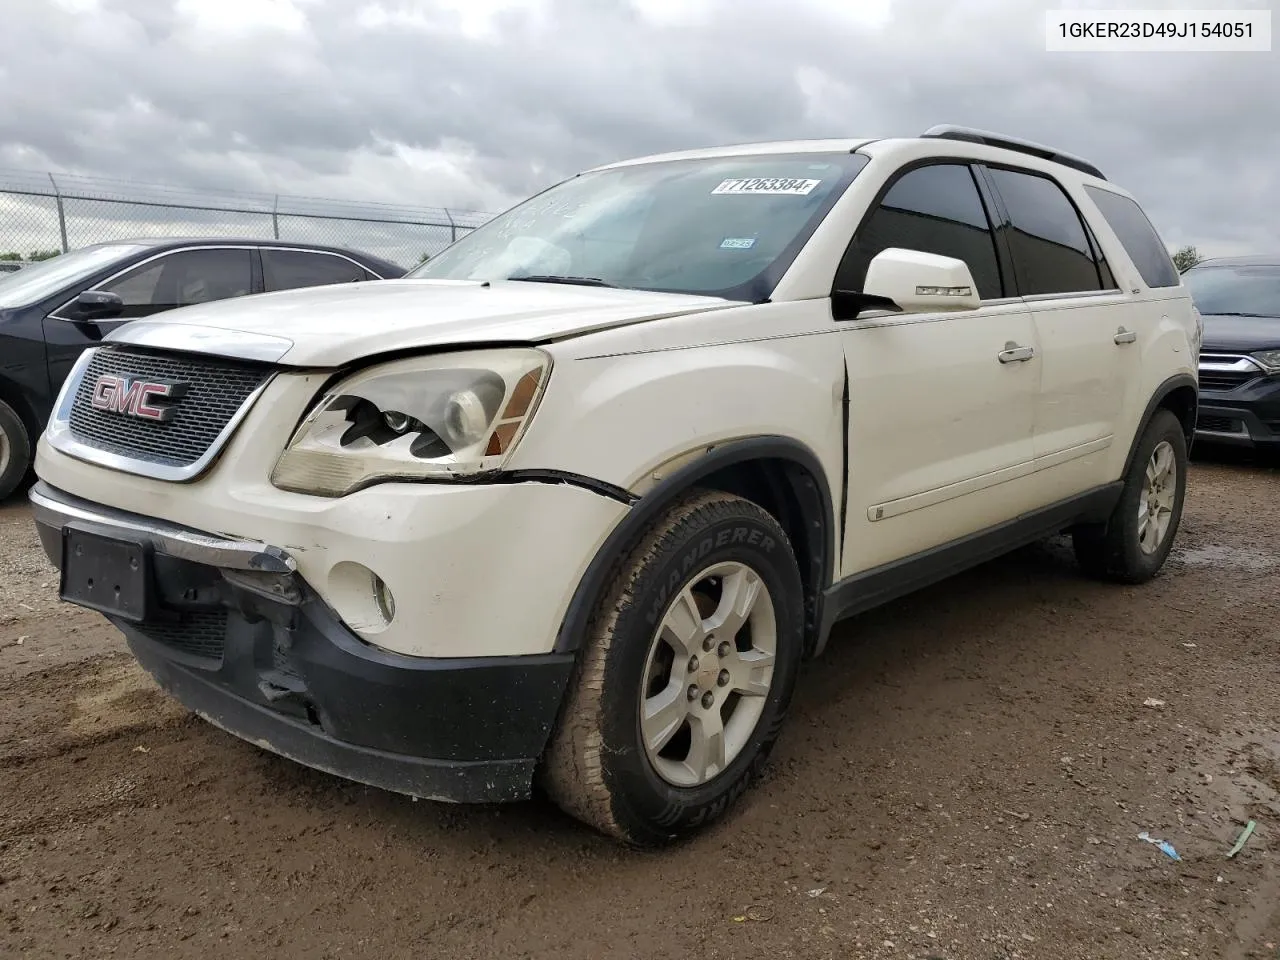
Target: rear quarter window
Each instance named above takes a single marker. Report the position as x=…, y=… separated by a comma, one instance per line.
x=1137, y=236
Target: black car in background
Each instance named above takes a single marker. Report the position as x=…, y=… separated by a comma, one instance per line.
x=1239, y=299
x=52, y=311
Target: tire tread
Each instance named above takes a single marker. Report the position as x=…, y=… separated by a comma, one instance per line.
x=1105, y=552
x=572, y=771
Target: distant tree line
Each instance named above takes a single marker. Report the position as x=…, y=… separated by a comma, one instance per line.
x=31, y=256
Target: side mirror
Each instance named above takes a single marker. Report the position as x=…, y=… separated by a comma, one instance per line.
x=98, y=305
x=918, y=282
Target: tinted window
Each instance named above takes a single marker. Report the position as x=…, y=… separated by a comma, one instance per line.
x=181, y=279
x=1249, y=289
x=1137, y=236
x=290, y=269
x=934, y=209
x=1051, y=253
x=138, y=287
x=48, y=277
x=1104, y=269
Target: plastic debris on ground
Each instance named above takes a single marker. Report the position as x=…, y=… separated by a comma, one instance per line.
x=1165, y=847
x=1244, y=838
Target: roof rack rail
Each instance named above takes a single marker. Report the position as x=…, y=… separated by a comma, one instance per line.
x=949, y=132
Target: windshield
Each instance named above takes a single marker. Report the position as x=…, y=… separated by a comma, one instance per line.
x=722, y=226
x=32, y=284
x=1252, y=290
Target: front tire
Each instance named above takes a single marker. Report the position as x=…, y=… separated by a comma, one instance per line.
x=685, y=676
x=15, y=450
x=1136, y=540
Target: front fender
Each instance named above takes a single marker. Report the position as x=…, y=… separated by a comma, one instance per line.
x=620, y=417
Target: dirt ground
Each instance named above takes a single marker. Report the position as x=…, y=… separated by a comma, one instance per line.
x=965, y=775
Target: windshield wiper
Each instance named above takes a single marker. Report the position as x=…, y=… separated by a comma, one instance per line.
x=1236, y=313
x=552, y=278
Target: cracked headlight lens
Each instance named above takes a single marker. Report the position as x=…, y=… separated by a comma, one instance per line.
x=427, y=418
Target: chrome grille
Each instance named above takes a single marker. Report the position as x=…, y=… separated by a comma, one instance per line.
x=1225, y=381
x=217, y=389
x=1227, y=371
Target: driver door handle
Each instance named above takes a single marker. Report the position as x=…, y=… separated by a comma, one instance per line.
x=1124, y=336
x=1013, y=353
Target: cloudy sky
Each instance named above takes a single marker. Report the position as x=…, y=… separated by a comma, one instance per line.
x=477, y=103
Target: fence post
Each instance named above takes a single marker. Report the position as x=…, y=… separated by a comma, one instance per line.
x=275, y=218
x=62, y=214
x=453, y=227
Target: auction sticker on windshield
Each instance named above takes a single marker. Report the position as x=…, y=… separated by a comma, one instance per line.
x=772, y=185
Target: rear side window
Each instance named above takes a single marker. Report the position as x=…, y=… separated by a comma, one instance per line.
x=290, y=269
x=1047, y=240
x=935, y=209
x=1137, y=236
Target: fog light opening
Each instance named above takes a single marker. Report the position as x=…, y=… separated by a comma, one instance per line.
x=384, y=599
x=361, y=598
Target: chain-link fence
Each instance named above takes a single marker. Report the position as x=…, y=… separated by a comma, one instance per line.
x=46, y=213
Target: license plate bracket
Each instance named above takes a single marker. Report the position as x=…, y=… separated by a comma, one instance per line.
x=109, y=574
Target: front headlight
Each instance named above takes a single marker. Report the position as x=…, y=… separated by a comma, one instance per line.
x=440, y=417
x=1270, y=359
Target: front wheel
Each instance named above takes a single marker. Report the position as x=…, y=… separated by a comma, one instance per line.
x=685, y=676
x=15, y=450
x=1136, y=540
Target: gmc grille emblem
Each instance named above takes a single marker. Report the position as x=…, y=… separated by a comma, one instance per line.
x=136, y=398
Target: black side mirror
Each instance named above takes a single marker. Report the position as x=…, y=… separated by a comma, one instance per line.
x=98, y=305
x=849, y=304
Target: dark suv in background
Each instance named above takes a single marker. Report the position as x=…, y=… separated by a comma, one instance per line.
x=51, y=311
x=1239, y=299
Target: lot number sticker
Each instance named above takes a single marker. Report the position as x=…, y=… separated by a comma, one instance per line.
x=778, y=186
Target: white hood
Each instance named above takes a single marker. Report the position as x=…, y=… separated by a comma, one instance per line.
x=334, y=325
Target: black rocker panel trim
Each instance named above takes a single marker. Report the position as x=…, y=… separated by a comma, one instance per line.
x=880, y=585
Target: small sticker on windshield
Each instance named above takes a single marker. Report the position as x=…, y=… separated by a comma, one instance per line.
x=778, y=186
x=737, y=243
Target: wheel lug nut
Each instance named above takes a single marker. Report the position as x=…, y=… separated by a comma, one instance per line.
x=724, y=649
x=693, y=692
x=708, y=643
x=693, y=664
x=723, y=679
x=708, y=699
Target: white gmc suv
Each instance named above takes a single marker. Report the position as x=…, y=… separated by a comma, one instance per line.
x=571, y=503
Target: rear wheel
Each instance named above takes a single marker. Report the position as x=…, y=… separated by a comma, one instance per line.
x=1136, y=540
x=15, y=450
x=685, y=676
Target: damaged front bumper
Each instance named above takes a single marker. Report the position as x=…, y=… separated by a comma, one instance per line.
x=230, y=629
